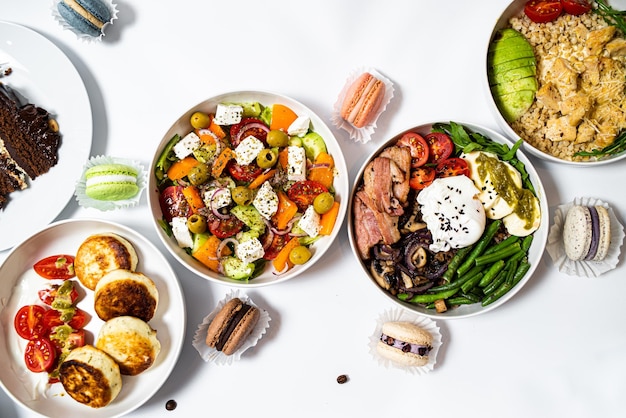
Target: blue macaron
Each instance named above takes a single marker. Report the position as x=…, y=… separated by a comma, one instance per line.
x=86, y=16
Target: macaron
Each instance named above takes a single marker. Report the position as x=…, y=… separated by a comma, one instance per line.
x=362, y=100
x=404, y=343
x=111, y=182
x=86, y=16
x=587, y=233
x=231, y=326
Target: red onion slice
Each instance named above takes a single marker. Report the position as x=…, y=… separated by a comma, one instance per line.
x=252, y=125
x=214, y=209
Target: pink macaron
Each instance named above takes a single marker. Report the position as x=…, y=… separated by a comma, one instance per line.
x=362, y=100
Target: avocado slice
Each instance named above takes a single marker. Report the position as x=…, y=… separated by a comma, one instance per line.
x=514, y=105
x=512, y=74
x=526, y=83
x=313, y=144
x=509, y=65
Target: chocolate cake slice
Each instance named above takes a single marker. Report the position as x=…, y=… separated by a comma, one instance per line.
x=29, y=142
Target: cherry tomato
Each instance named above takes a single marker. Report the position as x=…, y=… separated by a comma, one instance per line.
x=40, y=355
x=576, y=7
x=56, y=267
x=224, y=228
x=245, y=173
x=48, y=295
x=421, y=177
x=74, y=339
x=452, y=167
x=247, y=127
x=440, y=146
x=418, y=146
x=542, y=11
x=29, y=323
x=52, y=319
x=274, y=247
x=304, y=192
x=174, y=203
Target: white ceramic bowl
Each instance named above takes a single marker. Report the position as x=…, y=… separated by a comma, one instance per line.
x=182, y=126
x=535, y=252
x=513, y=9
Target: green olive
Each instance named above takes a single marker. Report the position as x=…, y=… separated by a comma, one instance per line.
x=277, y=138
x=323, y=202
x=196, y=223
x=242, y=195
x=200, y=120
x=266, y=158
x=199, y=174
x=299, y=255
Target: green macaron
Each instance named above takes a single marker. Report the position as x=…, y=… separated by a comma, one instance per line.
x=111, y=182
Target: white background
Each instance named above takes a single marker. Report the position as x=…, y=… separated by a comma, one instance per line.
x=557, y=348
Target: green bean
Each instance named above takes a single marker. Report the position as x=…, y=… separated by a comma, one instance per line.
x=472, y=282
x=520, y=272
x=480, y=246
x=511, y=272
x=495, y=283
x=499, y=255
x=528, y=239
x=511, y=239
x=460, y=300
x=457, y=283
x=428, y=298
x=471, y=296
x=501, y=291
x=458, y=257
x=491, y=273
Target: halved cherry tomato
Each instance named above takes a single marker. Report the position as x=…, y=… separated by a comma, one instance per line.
x=274, y=247
x=247, y=127
x=40, y=355
x=174, y=203
x=304, y=192
x=576, y=7
x=48, y=294
x=56, y=267
x=29, y=323
x=452, y=167
x=421, y=177
x=542, y=11
x=245, y=173
x=224, y=228
x=418, y=146
x=52, y=319
x=440, y=146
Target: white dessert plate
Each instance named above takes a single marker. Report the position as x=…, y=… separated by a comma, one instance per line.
x=18, y=286
x=44, y=76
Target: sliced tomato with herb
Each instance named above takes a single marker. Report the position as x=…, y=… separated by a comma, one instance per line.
x=418, y=146
x=174, y=203
x=224, y=228
x=542, y=11
x=440, y=146
x=55, y=267
x=245, y=173
x=40, y=355
x=49, y=294
x=452, y=167
x=29, y=323
x=421, y=177
x=246, y=128
x=53, y=318
x=304, y=192
x=576, y=7
x=274, y=247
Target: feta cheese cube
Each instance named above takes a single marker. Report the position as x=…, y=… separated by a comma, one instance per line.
x=181, y=232
x=228, y=114
x=187, y=145
x=296, y=163
x=217, y=198
x=266, y=200
x=310, y=222
x=300, y=126
x=247, y=150
x=249, y=250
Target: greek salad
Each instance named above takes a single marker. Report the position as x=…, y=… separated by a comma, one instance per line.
x=249, y=187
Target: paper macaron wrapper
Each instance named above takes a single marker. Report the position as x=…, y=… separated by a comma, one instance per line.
x=212, y=355
x=106, y=205
x=365, y=133
x=583, y=268
x=402, y=315
x=80, y=35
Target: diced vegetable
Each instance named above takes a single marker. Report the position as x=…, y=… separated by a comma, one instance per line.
x=323, y=169
x=287, y=209
x=181, y=168
x=192, y=194
x=261, y=178
x=327, y=220
x=281, y=262
x=282, y=117
x=219, y=165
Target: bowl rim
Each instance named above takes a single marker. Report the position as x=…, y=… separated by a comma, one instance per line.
x=537, y=247
x=513, y=8
x=341, y=185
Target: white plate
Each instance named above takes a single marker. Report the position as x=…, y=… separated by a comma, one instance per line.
x=182, y=126
x=169, y=320
x=45, y=76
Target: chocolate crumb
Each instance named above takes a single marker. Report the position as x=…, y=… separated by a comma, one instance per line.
x=171, y=405
x=342, y=378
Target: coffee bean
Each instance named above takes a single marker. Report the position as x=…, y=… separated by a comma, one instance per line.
x=341, y=379
x=171, y=405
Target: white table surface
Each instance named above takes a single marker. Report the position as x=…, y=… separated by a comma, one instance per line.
x=558, y=347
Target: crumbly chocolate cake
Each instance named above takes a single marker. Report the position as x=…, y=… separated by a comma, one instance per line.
x=28, y=143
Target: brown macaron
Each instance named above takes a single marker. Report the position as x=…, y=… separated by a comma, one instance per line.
x=231, y=326
x=362, y=100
